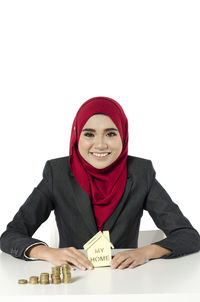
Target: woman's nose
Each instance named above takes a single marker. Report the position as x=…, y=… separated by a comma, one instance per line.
x=100, y=143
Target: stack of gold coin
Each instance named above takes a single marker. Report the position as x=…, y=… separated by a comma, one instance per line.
x=66, y=273
x=55, y=279
x=33, y=280
x=55, y=276
x=56, y=270
x=22, y=281
x=44, y=278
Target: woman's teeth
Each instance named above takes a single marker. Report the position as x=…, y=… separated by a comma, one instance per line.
x=100, y=155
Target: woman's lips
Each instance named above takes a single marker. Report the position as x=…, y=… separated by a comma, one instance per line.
x=100, y=157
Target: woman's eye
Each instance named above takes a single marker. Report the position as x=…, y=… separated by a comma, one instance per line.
x=111, y=134
x=88, y=134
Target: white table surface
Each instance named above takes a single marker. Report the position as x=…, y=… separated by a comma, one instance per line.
x=159, y=276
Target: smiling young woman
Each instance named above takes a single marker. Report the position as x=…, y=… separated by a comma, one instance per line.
x=100, y=142
x=99, y=187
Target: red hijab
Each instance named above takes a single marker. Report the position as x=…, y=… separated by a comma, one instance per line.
x=105, y=186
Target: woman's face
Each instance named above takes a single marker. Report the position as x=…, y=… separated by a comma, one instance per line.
x=100, y=142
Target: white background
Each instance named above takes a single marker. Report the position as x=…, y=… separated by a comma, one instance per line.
x=54, y=55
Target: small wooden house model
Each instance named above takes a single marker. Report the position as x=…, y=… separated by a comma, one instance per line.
x=99, y=249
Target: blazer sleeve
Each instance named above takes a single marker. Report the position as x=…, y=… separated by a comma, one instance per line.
x=181, y=237
x=35, y=210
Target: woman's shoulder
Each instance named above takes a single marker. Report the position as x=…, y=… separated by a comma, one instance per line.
x=60, y=164
x=138, y=164
x=134, y=160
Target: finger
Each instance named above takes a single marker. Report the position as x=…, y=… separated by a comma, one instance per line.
x=126, y=263
x=116, y=262
x=62, y=261
x=76, y=262
x=82, y=256
x=116, y=256
x=83, y=261
x=119, y=255
x=135, y=264
x=72, y=268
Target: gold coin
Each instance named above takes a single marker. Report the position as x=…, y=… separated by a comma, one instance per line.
x=44, y=276
x=55, y=276
x=34, y=277
x=67, y=274
x=55, y=269
x=44, y=282
x=33, y=280
x=66, y=281
x=56, y=281
x=22, y=281
x=65, y=266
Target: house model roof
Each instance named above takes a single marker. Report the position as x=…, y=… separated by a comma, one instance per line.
x=94, y=239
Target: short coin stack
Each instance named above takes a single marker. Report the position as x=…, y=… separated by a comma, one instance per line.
x=44, y=278
x=66, y=273
x=33, y=280
x=22, y=281
x=55, y=276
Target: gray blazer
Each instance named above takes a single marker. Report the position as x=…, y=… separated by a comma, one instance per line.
x=59, y=191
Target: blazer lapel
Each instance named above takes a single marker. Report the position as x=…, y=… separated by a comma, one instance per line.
x=85, y=208
x=84, y=205
x=112, y=219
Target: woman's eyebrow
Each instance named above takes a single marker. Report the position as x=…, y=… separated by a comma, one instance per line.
x=93, y=130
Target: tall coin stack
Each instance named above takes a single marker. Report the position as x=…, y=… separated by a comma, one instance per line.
x=55, y=276
x=44, y=278
x=66, y=273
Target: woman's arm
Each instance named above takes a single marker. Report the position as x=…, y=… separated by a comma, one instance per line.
x=154, y=251
x=58, y=256
x=182, y=238
x=139, y=256
x=35, y=210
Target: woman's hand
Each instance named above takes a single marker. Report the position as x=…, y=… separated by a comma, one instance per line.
x=129, y=259
x=58, y=256
x=138, y=256
x=71, y=255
